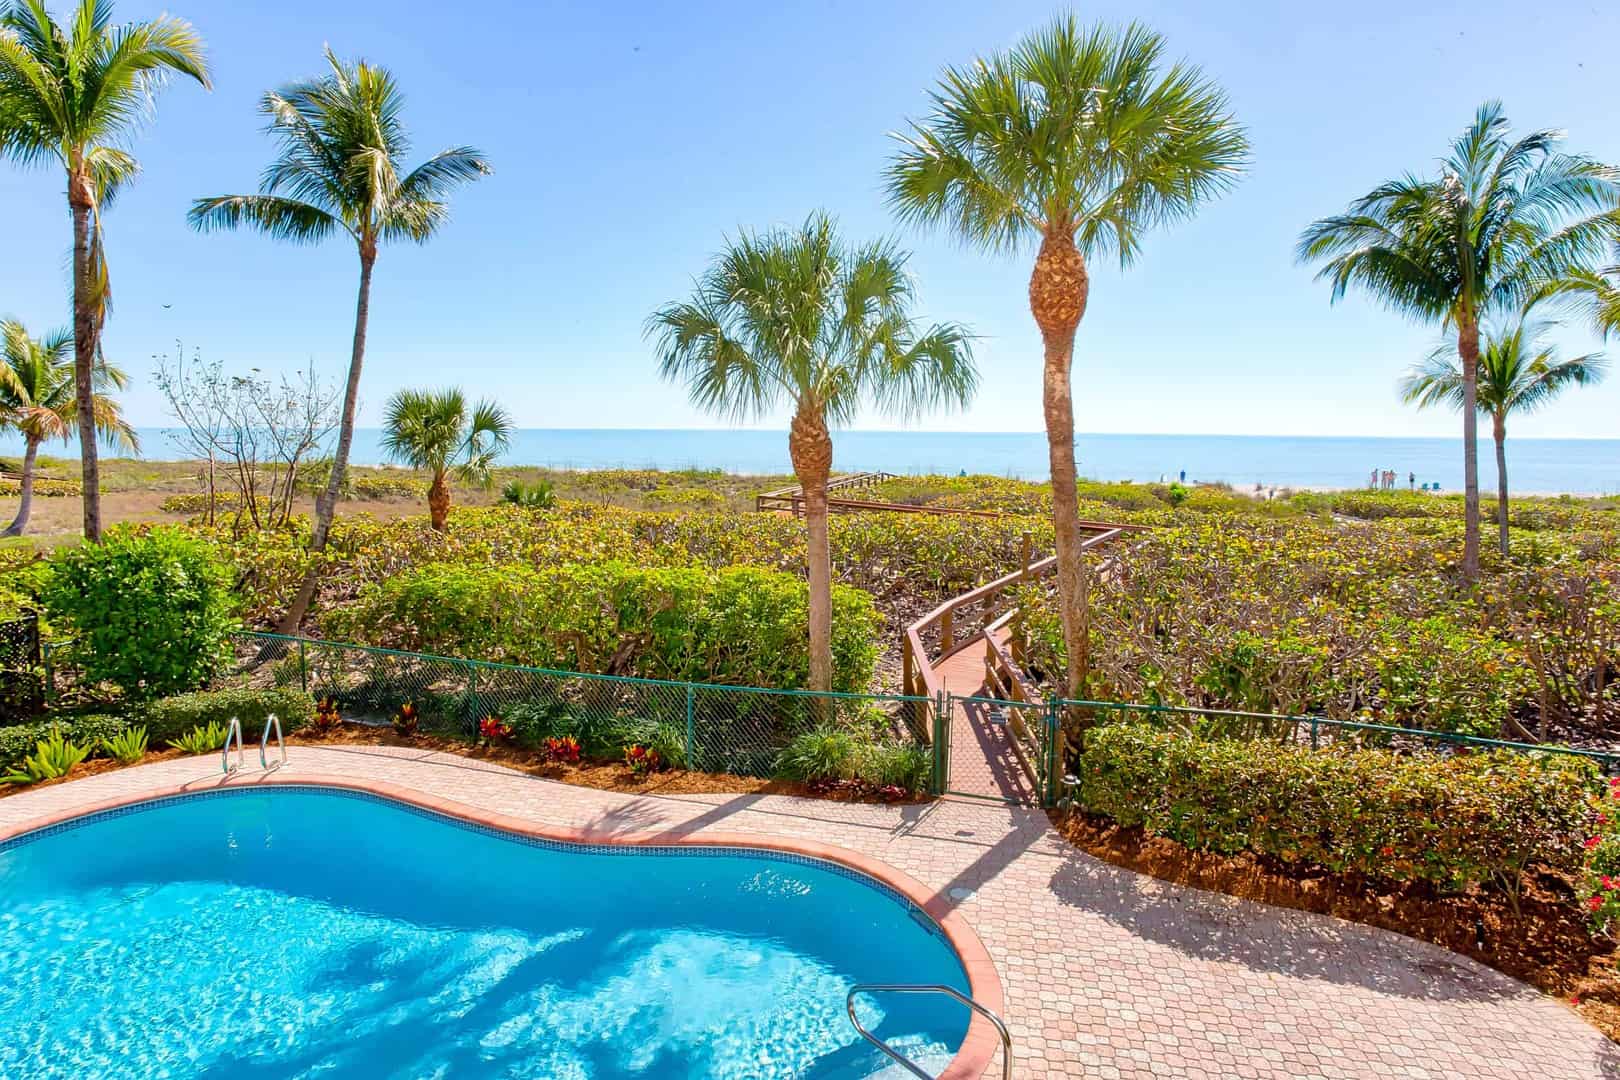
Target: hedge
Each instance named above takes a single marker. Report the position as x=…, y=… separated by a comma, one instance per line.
x=739, y=625
x=169, y=718
x=1450, y=820
x=17, y=741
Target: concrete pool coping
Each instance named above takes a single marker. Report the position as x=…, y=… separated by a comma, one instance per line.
x=972, y=1058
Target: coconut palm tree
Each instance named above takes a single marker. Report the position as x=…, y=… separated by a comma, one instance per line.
x=798, y=319
x=341, y=170
x=1080, y=141
x=39, y=400
x=1503, y=221
x=1517, y=374
x=73, y=96
x=432, y=430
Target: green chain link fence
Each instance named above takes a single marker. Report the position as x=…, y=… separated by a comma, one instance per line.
x=1317, y=732
x=713, y=728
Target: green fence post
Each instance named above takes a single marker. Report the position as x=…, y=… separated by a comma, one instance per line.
x=691, y=717
x=942, y=743
x=1313, y=733
x=303, y=667
x=472, y=694
x=50, y=671
x=1054, y=751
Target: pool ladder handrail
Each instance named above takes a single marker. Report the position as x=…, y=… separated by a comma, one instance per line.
x=232, y=732
x=270, y=721
x=925, y=988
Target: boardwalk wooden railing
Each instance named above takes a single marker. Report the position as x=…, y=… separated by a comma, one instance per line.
x=962, y=621
x=790, y=500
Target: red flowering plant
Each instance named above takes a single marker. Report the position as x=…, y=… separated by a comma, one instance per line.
x=406, y=720
x=564, y=750
x=494, y=729
x=327, y=717
x=642, y=760
x=1601, y=862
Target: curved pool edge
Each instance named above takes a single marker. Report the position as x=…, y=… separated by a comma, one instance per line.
x=972, y=1058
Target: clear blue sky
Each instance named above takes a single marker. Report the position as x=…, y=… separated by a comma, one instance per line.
x=628, y=138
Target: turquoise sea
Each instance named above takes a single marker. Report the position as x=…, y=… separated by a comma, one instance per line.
x=1581, y=466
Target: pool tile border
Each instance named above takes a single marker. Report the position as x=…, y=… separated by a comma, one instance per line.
x=978, y=1047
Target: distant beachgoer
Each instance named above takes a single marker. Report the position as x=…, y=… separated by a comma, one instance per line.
x=1183, y=476
x=1372, y=480
x=1411, y=480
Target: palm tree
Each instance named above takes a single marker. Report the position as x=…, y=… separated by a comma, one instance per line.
x=797, y=318
x=73, y=96
x=1503, y=222
x=1516, y=375
x=1076, y=139
x=38, y=399
x=340, y=169
x=1600, y=290
x=432, y=430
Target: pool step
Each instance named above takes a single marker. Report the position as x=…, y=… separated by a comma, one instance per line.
x=925, y=988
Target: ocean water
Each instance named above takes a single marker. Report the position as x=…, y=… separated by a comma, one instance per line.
x=1579, y=466
x=299, y=933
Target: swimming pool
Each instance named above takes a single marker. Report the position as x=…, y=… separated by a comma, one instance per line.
x=309, y=932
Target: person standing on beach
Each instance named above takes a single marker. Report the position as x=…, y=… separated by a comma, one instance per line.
x=1372, y=480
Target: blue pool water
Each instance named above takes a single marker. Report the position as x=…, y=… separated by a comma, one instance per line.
x=305, y=933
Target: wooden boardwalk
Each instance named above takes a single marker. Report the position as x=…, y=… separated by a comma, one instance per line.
x=983, y=761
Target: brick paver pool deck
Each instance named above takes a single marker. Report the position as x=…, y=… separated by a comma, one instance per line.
x=1106, y=973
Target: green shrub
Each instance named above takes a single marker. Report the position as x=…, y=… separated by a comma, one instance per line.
x=536, y=496
x=169, y=718
x=739, y=625
x=388, y=487
x=896, y=765
x=1449, y=820
x=827, y=753
x=202, y=739
x=152, y=610
x=17, y=741
x=53, y=756
x=128, y=746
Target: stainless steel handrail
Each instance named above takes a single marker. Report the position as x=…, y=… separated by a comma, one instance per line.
x=232, y=732
x=925, y=988
x=264, y=743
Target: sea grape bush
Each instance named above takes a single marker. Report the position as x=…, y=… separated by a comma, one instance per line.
x=739, y=625
x=152, y=609
x=1452, y=821
x=1350, y=621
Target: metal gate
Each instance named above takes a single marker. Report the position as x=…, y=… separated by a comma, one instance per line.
x=22, y=677
x=998, y=750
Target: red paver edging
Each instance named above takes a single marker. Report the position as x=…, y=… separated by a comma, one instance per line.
x=978, y=1046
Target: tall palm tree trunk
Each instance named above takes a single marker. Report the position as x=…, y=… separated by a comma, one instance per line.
x=1468, y=350
x=1058, y=289
x=25, y=503
x=439, y=503
x=1499, y=433
x=86, y=330
x=810, y=447
x=326, y=501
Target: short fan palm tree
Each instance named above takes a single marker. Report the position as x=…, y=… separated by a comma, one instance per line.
x=72, y=96
x=39, y=400
x=341, y=171
x=797, y=319
x=434, y=430
x=1079, y=141
x=1517, y=374
x=1503, y=221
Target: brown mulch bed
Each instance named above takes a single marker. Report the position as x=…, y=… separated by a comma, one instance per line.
x=604, y=776
x=609, y=776
x=1546, y=943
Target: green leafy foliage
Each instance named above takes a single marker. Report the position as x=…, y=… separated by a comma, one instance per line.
x=151, y=609
x=1600, y=867
x=739, y=625
x=17, y=741
x=54, y=756
x=170, y=718
x=536, y=496
x=1449, y=820
x=128, y=746
x=826, y=753
x=202, y=739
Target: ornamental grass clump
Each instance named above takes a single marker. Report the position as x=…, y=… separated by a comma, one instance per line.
x=1452, y=820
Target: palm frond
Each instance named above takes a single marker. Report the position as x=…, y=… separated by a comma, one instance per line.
x=282, y=218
